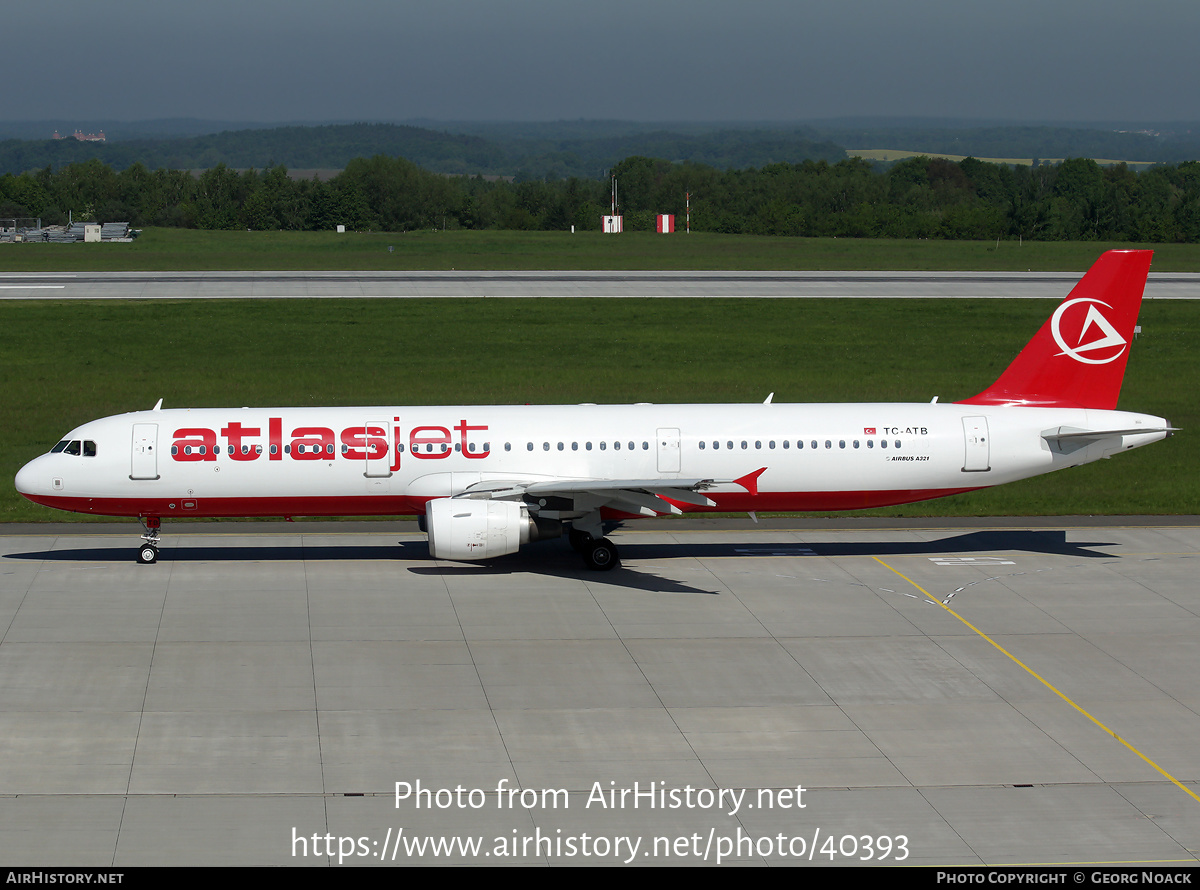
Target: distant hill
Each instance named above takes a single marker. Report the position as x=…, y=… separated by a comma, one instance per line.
x=1153, y=145
x=309, y=147
x=587, y=153
x=586, y=149
x=168, y=128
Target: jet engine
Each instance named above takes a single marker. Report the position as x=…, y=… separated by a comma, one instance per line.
x=462, y=528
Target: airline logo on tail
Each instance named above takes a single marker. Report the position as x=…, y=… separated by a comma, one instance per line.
x=1105, y=334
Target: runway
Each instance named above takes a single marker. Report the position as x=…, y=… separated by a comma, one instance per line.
x=955, y=693
x=663, y=285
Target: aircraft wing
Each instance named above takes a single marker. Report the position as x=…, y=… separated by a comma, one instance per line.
x=642, y=496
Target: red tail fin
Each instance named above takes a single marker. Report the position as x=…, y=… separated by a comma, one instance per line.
x=1077, y=359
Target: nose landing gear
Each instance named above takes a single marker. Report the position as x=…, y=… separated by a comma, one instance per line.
x=148, y=552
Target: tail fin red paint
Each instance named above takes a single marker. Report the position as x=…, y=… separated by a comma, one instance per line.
x=1077, y=359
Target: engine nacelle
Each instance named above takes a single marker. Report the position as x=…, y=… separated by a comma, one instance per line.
x=463, y=529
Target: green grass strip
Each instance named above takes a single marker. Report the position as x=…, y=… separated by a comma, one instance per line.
x=190, y=250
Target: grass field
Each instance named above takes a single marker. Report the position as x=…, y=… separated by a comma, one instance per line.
x=188, y=250
x=65, y=363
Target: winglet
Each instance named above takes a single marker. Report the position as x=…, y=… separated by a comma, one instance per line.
x=1077, y=359
x=750, y=480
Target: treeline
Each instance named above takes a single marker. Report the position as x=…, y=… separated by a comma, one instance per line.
x=917, y=198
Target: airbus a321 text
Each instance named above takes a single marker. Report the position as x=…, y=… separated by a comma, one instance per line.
x=485, y=480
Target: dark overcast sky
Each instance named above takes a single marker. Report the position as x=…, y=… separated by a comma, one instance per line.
x=276, y=60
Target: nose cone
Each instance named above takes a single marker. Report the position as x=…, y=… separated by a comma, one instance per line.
x=29, y=479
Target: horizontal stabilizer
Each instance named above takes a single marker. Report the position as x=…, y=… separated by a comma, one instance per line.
x=1066, y=439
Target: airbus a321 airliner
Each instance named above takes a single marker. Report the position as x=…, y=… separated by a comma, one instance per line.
x=484, y=480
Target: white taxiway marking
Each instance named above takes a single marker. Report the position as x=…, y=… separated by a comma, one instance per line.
x=971, y=561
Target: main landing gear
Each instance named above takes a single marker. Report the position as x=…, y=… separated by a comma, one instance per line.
x=600, y=554
x=148, y=552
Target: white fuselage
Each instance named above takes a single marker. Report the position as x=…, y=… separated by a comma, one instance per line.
x=387, y=460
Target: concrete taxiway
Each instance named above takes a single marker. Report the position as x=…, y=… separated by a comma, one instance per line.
x=780, y=285
x=982, y=692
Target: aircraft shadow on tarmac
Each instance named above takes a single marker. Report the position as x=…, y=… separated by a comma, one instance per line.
x=556, y=559
x=548, y=561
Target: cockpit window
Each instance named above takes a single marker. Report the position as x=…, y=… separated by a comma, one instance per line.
x=75, y=447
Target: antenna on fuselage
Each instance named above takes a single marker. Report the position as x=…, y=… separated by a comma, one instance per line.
x=157, y=405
